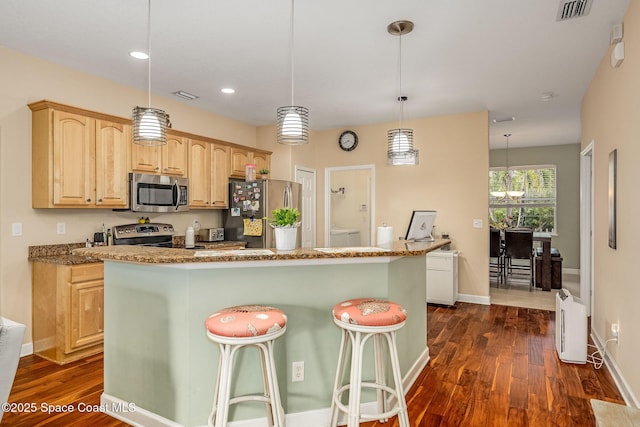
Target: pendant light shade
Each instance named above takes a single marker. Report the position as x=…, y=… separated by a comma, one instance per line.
x=508, y=192
x=293, y=125
x=400, y=150
x=293, y=120
x=149, y=124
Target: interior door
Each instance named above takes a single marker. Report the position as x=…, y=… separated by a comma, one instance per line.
x=307, y=178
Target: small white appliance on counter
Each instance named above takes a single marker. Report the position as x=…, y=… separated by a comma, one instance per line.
x=571, y=328
x=442, y=277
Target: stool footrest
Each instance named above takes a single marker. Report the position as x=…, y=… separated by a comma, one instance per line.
x=248, y=398
x=369, y=417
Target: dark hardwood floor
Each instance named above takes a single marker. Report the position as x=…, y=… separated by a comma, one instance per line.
x=490, y=366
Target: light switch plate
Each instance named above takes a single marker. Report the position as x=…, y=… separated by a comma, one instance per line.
x=477, y=223
x=16, y=229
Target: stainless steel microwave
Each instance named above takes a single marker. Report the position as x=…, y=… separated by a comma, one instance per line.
x=158, y=193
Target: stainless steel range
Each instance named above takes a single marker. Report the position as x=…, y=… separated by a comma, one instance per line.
x=152, y=234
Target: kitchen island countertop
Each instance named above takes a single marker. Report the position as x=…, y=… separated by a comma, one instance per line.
x=153, y=255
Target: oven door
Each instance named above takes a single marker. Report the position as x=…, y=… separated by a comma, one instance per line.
x=158, y=193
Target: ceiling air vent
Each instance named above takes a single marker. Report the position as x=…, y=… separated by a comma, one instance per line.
x=573, y=9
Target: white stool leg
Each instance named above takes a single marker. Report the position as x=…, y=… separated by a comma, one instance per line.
x=342, y=356
x=277, y=410
x=355, y=379
x=266, y=383
x=380, y=374
x=403, y=417
x=220, y=411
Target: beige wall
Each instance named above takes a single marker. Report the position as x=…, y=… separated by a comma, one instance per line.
x=566, y=158
x=610, y=112
x=24, y=79
x=451, y=178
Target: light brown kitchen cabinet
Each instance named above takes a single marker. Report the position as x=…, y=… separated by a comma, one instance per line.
x=68, y=310
x=78, y=160
x=208, y=175
x=168, y=159
x=241, y=156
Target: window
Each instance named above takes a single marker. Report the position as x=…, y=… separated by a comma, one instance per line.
x=535, y=209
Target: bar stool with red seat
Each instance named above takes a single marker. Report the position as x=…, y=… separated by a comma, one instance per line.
x=359, y=320
x=234, y=328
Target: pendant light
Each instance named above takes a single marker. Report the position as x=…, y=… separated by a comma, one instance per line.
x=293, y=120
x=149, y=124
x=508, y=192
x=400, y=149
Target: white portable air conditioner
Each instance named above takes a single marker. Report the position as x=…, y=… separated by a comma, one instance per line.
x=571, y=328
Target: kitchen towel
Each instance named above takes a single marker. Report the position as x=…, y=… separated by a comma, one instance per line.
x=385, y=235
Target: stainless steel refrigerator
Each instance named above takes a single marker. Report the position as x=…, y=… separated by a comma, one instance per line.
x=251, y=202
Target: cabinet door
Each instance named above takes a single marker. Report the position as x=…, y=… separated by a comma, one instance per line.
x=220, y=176
x=174, y=155
x=113, y=143
x=261, y=160
x=239, y=158
x=199, y=174
x=145, y=159
x=73, y=152
x=86, y=314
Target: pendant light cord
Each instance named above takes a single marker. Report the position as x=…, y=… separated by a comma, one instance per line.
x=291, y=47
x=400, y=96
x=149, y=52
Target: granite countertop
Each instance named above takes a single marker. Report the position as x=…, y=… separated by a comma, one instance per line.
x=63, y=253
x=153, y=255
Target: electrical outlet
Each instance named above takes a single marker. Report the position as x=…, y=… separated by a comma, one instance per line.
x=615, y=331
x=477, y=223
x=61, y=228
x=297, y=371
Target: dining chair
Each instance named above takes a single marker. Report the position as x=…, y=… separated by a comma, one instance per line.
x=519, y=247
x=496, y=255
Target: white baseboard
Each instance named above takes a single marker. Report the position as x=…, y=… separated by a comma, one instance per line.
x=629, y=398
x=26, y=349
x=140, y=417
x=474, y=299
x=571, y=271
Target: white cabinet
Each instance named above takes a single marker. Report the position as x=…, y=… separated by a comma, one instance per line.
x=345, y=237
x=442, y=277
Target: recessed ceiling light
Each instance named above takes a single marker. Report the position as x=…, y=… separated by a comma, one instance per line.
x=507, y=119
x=227, y=90
x=139, y=55
x=185, y=95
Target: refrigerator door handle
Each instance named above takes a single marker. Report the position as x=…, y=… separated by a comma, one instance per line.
x=288, y=201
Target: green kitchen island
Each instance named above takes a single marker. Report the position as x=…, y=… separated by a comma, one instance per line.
x=159, y=366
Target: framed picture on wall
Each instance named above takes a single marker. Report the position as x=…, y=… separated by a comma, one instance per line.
x=613, y=160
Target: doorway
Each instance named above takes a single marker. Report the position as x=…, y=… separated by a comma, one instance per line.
x=349, y=205
x=586, y=227
x=307, y=177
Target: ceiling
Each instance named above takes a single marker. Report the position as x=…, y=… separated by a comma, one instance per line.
x=462, y=56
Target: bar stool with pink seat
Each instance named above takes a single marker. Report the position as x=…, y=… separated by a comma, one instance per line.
x=234, y=328
x=359, y=320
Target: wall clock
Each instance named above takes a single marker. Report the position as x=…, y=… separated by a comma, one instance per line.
x=348, y=140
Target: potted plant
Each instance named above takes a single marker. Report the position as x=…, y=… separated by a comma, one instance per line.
x=264, y=172
x=285, y=222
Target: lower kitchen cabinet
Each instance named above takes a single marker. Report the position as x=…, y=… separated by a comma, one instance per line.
x=442, y=277
x=68, y=314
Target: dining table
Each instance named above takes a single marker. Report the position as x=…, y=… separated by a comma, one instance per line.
x=545, y=270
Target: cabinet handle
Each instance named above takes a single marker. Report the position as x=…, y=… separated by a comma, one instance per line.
x=88, y=200
x=157, y=168
x=99, y=200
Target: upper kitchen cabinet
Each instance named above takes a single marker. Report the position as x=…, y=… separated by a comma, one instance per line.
x=241, y=156
x=79, y=158
x=208, y=175
x=168, y=159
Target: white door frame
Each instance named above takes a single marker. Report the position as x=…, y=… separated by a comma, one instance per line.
x=586, y=226
x=327, y=199
x=298, y=172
